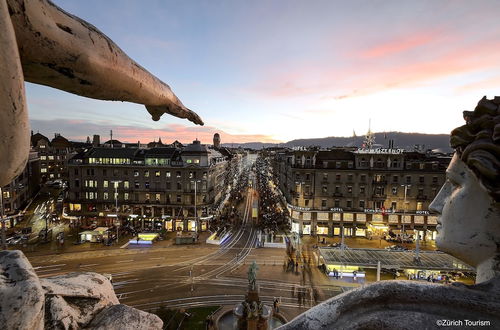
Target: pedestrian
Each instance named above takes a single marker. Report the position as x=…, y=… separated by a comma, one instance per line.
x=296, y=266
x=354, y=274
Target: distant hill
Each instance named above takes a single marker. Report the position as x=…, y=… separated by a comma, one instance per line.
x=406, y=141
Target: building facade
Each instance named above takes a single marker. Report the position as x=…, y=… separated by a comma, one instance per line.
x=362, y=192
x=54, y=156
x=155, y=187
x=17, y=193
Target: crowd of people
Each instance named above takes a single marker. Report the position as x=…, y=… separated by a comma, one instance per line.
x=273, y=217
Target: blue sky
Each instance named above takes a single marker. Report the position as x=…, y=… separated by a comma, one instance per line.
x=278, y=70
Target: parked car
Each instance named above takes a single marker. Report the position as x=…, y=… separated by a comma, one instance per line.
x=396, y=248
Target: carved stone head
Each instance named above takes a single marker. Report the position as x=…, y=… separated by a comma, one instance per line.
x=468, y=203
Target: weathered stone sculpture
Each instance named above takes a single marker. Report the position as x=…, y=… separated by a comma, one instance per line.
x=469, y=229
x=43, y=44
x=71, y=301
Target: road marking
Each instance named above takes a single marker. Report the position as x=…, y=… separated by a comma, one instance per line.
x=124, y=245
x=40, y=267
x=89, y=265
x=156, y=258
x=121, y=261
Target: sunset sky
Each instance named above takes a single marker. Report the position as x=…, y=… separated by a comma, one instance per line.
x=278, y=70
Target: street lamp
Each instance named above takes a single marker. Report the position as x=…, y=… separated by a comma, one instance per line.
x=404, y=209
x=116, y=183
x=195, y=213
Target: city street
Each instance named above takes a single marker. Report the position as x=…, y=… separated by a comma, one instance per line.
x=194, y=275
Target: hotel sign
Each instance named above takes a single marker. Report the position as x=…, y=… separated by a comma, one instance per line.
x=384, y=151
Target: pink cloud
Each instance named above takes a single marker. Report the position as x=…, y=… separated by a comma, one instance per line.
x=79, y=130
x=399, y=45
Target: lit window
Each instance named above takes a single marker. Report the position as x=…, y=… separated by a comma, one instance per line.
x=105, y=184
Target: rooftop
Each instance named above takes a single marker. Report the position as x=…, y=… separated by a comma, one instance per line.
x=429, y=260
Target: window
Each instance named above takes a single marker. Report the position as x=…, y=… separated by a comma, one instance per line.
x=125, y=184
x=168, y=186
x=178, y=174
x=362, y=189
x=146, y=184
x=148, y=196
x=178, y=198
x=362, y=178
x=157, y=174
x=191, y=175
x=421, y=179
x=105, y=196
x=362, y=204
x=434, y=192
x=349, y=204
x=157, y=197
x=167, y=174
x=43, y=170
x=338, y=164
x=179, y=186
x=349, y=189
x=419, y=206
x=395, y=178
x=421, y=192
x=337, y=177
x=337, y=203
x=434, y=179
x=306, y=202
x=394, y=205
x=105, y=184
x=350, y=164
x=308, y=177
x=337, y=189
x=408, y=166
x=408, y=179
x=125, y=196
x=421, y=166
x=297, y=176
x=104, y=172
x=323, y=203
x=349, y=177
x=136, y=173
x=204, y=175
x=43, y=157
x=115, y=172
x=77, y=183
x=76, y=171
x=325, y=176
x=324, y=189
x=137, y=185
x=146, y=174
x=394, y=190
x=51, y=157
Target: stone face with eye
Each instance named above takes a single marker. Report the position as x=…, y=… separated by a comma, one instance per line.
x=468, y=222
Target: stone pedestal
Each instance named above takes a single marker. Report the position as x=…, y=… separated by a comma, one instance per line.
x=252, y=314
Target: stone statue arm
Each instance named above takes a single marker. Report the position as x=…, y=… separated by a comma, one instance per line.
x=63, y=51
